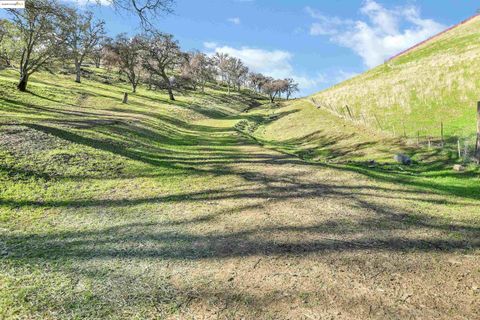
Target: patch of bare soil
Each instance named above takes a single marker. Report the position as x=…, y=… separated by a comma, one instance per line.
x=272, y=238
x=287, y=240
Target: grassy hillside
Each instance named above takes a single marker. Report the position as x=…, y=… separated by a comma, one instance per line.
x=396, y=107
x=76, y=163
x=436, y=82
x=64, y=141
x=164, y=210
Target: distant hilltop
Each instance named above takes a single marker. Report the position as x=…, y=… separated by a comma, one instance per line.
x=433, y=37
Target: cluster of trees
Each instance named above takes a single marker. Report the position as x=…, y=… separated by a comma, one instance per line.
x=273, y=87
x=47, y=34
x=231, y=70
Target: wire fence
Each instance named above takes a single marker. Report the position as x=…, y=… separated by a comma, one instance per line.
x=462, y=143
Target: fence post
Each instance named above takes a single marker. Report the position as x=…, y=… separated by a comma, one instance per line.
x=125, y=97
x=465, y=150
x=441, y=131
x=459, y=149
x=477, y=144
x=349, y=112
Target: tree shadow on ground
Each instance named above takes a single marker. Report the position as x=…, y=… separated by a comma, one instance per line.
x=140, y=240
x=373, y=231
x=427, y=172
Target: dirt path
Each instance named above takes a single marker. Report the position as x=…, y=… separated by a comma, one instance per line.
x=259, y=235
x=305, y=241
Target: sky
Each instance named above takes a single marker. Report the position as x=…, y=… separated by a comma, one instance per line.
x=318, y=43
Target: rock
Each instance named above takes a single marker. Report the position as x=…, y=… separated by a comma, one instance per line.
x=403, y=159
x=371, y=163
x=459, y=168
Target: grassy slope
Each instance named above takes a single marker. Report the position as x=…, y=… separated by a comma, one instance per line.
x=70, y=151
x=71, y=131
x=162, y=210
x=316, y=135
x=436, y=82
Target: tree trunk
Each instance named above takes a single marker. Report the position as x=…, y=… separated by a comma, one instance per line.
x=150, y=80
x=22, y=84
x=125, y=97
x=78, y=72
x=169, y=86
x=170, y=93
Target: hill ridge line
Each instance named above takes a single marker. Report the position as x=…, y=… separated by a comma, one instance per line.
x=433, y=37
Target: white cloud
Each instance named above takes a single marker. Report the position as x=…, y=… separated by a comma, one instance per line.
x=384, y=33
x=306, y=82
x=273, y=63
x=210, y=45
x=235, y=20
x=276, y=63
x=325, y=25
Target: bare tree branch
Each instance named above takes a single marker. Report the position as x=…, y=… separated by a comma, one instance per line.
x=146, y=10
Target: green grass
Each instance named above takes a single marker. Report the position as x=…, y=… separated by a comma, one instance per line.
x=69, y=150
x=164, y=210
x=316, y=135
x=437, y=82
x=395, y=108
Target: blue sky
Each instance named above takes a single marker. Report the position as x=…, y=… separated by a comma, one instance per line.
x=319, y=43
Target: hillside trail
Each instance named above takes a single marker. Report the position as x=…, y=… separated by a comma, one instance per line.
x=288, y=239
x=227, y=229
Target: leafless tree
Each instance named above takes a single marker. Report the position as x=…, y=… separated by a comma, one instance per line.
x=222, y=61
x=9, y=40
x=257, y=80
x=146, y=10
x=97, y=55
x=237, y=72
x=232, y=70
x=43, y=33
x=110, y=57
x=273, y=88
x=3, y=29
x=4, y=61
x=126, y=54
x=200, y=68
x=161, y=54
x=291, y=87
x=84, y=34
